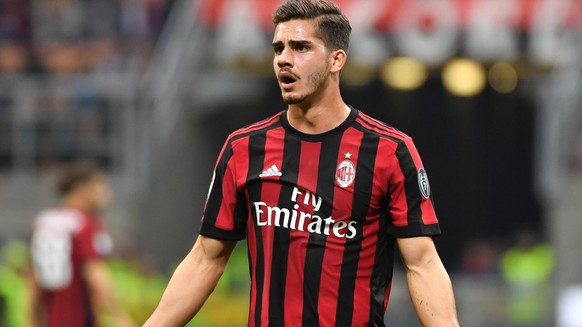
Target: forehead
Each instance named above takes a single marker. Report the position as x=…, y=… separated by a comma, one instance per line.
x=296, y=29
x=97, y=178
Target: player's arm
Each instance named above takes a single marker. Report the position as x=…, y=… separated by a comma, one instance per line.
x=33, y=308
x=429, y=284
x=192, y=282
x=97, y=275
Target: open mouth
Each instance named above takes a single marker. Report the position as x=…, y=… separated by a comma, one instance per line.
x=287, y=80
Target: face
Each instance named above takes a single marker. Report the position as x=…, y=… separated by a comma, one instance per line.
x=96, y=191
x=302, y=62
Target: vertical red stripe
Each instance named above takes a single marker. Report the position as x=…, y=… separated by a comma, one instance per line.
x=267, y=235
x=368, y=251
x=252, y=248
x=241, y=164
x=379, y=127
x=231, y=183
x=270, y=195
x=224, y=219
x=334, y=252
x=257, y=126
x=307, y=177
x=214, y=172
x=398, y=204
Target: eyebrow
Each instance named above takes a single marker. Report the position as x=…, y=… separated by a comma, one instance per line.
x=277, y=44
x=292, y=43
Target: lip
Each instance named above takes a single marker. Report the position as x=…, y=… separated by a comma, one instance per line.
x=287, y=85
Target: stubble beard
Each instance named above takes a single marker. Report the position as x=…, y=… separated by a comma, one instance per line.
x=315, y=82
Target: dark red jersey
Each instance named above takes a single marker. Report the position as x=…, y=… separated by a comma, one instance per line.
x=321, y=214
x=62, y=241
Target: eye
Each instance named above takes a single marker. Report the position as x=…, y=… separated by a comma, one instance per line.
x=302, y=48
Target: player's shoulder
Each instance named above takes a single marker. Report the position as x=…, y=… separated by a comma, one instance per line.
x=61, y=219
x=379, y=128
x=258, y=127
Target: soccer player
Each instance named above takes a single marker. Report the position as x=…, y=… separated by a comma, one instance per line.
x=322, y=193
x=71, y=281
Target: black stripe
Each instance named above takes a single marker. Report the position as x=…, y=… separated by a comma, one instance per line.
x=383, y=266
x=215, y=197
x=262, y=130
x=415, y=225
x=241, y=215
x=385, y=129
x=258, y=125
x=316, y=245
x=256, y=160
x=361, y=202
x=410, y=173
x=290, y=167
x=368, y=130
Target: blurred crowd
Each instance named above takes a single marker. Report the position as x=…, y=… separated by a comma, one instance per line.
x=70, y=36
x=54, y=38
x=61, y=124
x=523, y=270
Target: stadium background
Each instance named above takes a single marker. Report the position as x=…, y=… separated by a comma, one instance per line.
x=491, y=91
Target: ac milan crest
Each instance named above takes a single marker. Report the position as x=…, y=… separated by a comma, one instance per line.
x=346, y=173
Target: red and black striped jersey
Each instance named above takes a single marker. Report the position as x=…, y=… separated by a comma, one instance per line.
x=63, y=240
x=321, y=214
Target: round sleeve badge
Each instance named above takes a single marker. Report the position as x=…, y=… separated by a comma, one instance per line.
x=103, y=244
x=423, y=183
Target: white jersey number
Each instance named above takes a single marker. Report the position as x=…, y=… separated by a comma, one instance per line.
x=51, y=255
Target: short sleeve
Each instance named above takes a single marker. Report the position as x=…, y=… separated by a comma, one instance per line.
x=410, y=203
x=225, y=212
x=93, y=242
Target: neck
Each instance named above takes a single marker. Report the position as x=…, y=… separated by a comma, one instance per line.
x=320, y=115
x=76, y=203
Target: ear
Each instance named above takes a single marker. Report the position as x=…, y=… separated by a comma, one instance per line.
x=338, y=60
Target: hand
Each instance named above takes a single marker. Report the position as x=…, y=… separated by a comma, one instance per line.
x=124, y=321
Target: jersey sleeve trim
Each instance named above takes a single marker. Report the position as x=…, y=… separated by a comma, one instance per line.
x=414, y=230
x=212, y=231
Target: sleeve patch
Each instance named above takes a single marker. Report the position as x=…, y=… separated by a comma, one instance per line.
x=103, y=244
x=423, y=183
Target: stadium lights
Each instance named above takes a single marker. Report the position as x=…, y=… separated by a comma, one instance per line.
x=503, y=77
x=356, y=73
x=404, y=74
x=463, y=77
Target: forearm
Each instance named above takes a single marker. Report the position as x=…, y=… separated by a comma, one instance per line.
x=107, y=302
x=190, y=286
x=103, y=293
x=431, y=293
x=32, y=301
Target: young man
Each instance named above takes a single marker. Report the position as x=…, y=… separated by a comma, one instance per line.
x=322, y=193
x=71, y=281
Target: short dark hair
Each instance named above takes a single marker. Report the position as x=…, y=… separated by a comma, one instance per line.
x=76, y=174
x=331, y=24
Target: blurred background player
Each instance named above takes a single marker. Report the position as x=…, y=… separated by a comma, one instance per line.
x=71, y=281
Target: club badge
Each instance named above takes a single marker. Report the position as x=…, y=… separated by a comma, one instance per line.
x=346, y=172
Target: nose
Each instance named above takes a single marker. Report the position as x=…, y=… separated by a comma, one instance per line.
x=285, y=58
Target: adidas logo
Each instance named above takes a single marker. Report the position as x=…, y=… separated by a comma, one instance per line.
x=271, y=172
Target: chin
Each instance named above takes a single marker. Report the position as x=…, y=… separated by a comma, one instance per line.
x=293, y=98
